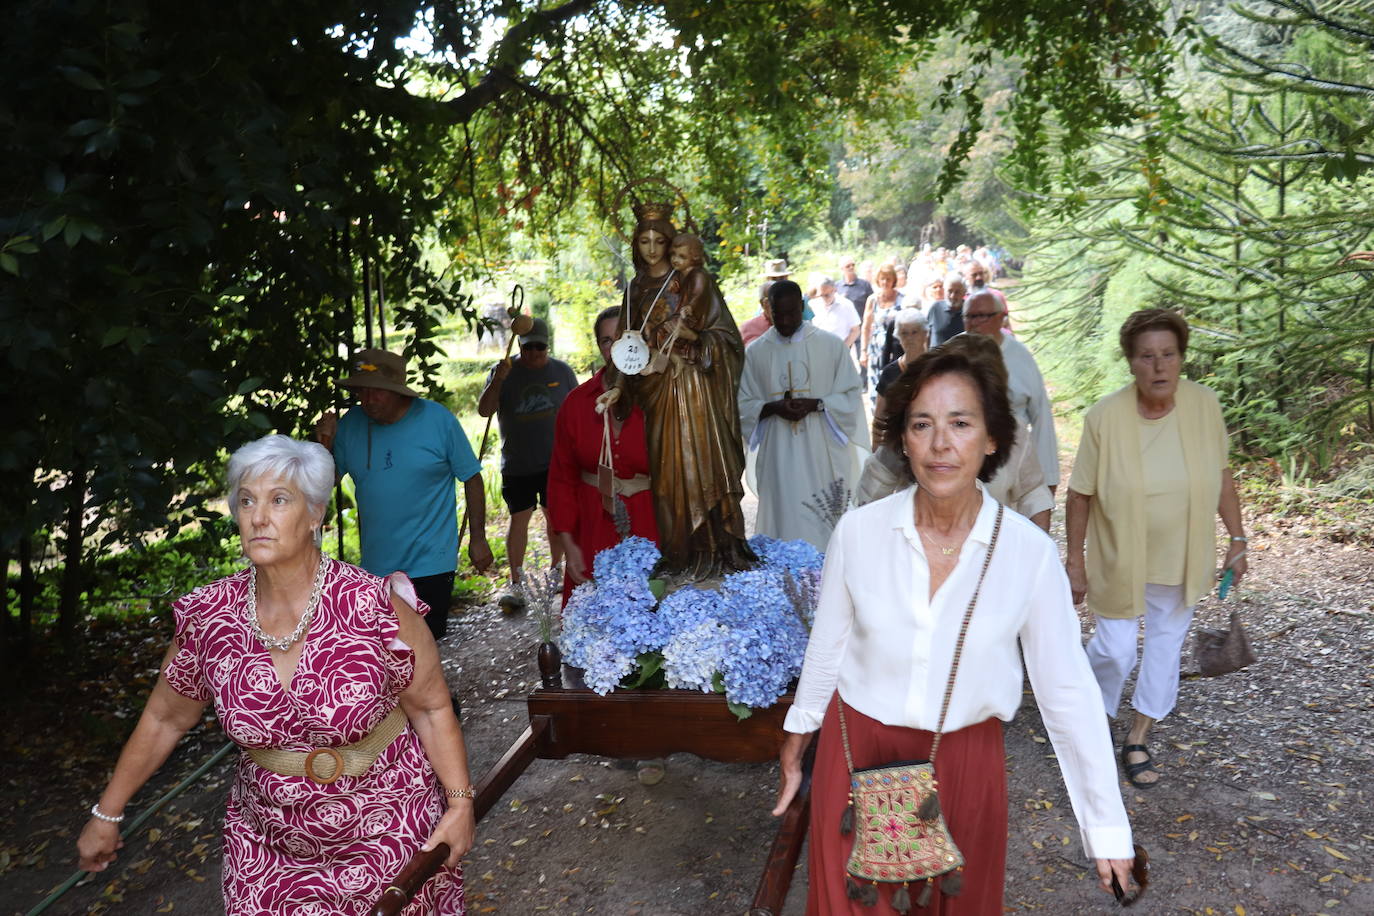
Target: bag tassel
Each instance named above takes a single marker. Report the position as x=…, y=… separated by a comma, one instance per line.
x=852, y=889
x=901, y=899
x=847, y=819
x=869, y=895
x=923, y=899
x=953, y=882
x=930, y=808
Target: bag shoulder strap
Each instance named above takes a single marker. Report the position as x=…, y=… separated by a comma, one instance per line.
x=954, y=665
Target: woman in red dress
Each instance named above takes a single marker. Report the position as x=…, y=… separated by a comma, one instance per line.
x=577, y=510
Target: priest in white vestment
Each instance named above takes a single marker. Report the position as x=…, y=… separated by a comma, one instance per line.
x=801, y=412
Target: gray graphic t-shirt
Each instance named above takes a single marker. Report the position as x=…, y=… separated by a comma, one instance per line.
x=529, y=402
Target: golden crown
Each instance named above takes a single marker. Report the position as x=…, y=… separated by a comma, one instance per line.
x=653, y=211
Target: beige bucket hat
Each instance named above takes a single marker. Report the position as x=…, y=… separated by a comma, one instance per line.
x=776, y=269
x=373, y=368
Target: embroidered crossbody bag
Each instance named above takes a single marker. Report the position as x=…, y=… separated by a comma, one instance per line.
x=894, y=811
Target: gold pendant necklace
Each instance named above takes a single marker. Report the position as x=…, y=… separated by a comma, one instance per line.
x=944, y=551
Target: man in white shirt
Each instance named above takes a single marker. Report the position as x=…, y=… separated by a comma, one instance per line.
x=802, y=414
x=984, y=314
x=835, y=313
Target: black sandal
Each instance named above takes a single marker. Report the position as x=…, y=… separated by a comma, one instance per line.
x=1135, y=769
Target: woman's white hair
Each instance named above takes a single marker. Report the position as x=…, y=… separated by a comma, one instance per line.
x=910, y=316
x=305, y=465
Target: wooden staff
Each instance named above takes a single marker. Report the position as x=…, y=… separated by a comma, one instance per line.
x=520, y=323
x=421, y=867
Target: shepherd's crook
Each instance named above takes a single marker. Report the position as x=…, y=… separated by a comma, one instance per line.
x=520, y=323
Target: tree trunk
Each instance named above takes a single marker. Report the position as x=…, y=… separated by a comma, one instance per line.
x=26, y=591
x=74, y=552
x=7, y=624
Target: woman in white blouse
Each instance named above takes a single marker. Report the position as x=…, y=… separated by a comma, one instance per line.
x=898, y=577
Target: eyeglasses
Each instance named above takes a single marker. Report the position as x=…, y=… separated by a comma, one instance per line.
x=537, y=345
x=1140, y=873
x=980, y=316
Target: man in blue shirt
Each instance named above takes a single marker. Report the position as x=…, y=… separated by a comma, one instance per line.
x=403, y=453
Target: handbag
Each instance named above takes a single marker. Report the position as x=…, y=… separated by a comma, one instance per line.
x=1223, y=651
x=900, y=835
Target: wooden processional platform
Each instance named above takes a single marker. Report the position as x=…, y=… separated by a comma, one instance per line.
x=639, y=725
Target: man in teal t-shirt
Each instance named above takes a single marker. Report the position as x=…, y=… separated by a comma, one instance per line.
x=403, y=453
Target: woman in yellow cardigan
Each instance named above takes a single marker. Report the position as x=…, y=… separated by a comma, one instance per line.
x=1150, y=475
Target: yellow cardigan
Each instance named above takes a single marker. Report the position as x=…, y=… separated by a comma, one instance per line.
x=1108, y=469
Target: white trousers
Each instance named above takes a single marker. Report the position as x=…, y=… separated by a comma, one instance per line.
x=1112, y=653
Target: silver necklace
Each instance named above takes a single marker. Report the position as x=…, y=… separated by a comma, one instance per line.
x=282, y=643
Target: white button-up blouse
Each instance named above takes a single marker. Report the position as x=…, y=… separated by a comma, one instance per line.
x=886, y=644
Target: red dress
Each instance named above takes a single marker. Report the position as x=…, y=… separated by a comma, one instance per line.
x=293, y=847
x=575, y=505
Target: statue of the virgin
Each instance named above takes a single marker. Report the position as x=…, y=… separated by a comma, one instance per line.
x=688, y=394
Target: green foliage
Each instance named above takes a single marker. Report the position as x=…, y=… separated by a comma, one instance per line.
x=648, y=673
x=895, y=164
x=463, y=381
x=143, y=580
x=1336, y=508
x=1251, y=215
x=190, y=201
x=577, y=302
x=181, y=221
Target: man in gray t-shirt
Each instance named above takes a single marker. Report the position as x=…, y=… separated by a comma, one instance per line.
x=525, y=394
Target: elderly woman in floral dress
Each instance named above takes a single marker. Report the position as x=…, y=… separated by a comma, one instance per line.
x=329, y=679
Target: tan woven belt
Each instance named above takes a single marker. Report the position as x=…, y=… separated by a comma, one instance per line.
x=624, y=486
x=325, y=765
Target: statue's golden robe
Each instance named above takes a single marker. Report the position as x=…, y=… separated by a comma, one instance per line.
x=696, y=453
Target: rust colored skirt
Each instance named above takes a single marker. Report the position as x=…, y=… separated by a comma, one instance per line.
x=971, y=769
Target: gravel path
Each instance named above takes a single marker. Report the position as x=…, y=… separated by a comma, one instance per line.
x=1264, y=806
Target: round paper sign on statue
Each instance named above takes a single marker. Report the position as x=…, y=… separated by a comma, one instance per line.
x=630, y=353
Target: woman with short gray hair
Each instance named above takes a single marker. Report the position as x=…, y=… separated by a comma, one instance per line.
x=1151, y=477
x=329, y=680
x=306, y=465
x=914, y=338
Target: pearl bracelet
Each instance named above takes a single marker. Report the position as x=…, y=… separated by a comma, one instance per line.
x=102, y=816
x=469, y=792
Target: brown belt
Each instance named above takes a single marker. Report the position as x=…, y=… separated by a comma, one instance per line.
x=325, y=765
x=624, y=486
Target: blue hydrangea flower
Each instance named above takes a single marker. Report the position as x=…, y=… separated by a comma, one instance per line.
x=694, y=654
x=633, y=558
x=605, y=667
x=687, y=607
x=790, y=555
x=750, y=632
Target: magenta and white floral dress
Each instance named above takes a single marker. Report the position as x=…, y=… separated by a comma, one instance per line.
x=292, y=846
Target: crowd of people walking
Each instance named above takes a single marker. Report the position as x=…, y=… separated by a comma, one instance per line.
x=903, y=385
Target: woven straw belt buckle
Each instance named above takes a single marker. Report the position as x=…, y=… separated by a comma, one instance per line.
x=325, y=765
x=313, y=775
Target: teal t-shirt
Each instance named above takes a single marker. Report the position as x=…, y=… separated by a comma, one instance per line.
x=403, y=475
